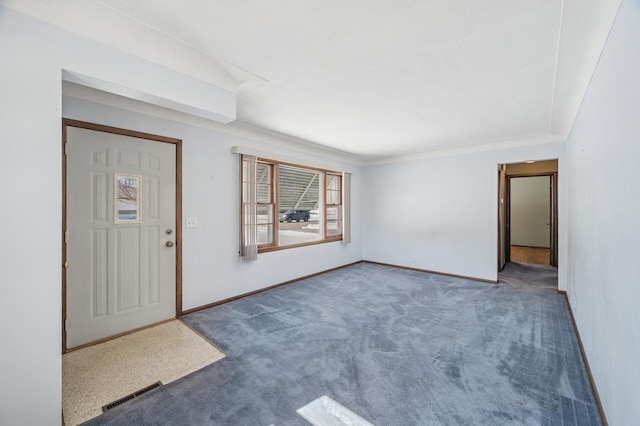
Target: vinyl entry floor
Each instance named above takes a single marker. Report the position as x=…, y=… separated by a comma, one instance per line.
x=98, y=375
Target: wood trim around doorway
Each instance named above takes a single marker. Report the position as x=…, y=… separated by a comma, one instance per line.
x=553, y=229
x=178, y=201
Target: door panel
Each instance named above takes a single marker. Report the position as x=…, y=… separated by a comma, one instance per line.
x=120, y=213
x=531, y=211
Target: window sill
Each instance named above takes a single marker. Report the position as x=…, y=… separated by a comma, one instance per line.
x=267, y=249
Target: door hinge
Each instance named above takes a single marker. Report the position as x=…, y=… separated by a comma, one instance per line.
x=66, y=148
x=66, y=235
x=66, y=325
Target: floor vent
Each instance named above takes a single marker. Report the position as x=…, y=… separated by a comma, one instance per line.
x=129, y=397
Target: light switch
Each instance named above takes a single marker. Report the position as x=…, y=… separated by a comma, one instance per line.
x=192, y=222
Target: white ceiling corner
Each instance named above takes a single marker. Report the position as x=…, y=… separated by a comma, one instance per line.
x=377, y=78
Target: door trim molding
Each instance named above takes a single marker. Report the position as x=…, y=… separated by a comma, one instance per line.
x=66, y=122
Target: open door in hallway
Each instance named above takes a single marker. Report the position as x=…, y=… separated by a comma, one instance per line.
x=527, y=213
x=530, y=214
x=121, y=234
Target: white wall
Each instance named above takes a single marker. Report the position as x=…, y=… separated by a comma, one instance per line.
x=30, y=117
x=441, y=213
x=30, y=256
x=604, y=206
x=212, y=270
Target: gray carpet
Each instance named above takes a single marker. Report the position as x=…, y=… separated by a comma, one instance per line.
x=395, y=347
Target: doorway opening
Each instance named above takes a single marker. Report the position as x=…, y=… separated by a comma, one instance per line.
x=121, y=229
x=528, y=213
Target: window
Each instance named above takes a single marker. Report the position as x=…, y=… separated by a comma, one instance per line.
x=127, y=202
x=298, y=203
x=334, y=204
x=265, y=203
x=294, y=205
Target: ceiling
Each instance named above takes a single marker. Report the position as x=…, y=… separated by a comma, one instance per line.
x=375, y=78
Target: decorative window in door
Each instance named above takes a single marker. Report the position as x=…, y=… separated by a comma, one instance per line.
x=127, y=199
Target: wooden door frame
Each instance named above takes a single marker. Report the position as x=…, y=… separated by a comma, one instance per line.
x=553, y=215
x=66, y=122
x=501, y=223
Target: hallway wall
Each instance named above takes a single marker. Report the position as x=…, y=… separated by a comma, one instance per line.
x=441, y=214
x=604, y=207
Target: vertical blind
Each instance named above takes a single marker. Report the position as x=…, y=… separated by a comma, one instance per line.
x=249, y=245
x=346, y=208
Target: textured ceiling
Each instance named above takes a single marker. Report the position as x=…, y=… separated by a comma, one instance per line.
x=372, y=78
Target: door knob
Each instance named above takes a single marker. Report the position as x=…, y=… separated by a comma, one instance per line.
x=169, y=244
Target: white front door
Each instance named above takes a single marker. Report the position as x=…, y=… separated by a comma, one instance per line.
x=121, y=218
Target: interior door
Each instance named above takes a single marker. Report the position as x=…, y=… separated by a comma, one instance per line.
x=120, y=234
x=531, y=211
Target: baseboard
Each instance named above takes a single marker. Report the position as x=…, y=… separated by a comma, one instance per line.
x=251, y=293
x=603, y=417
x=115, y=336
x=432, y=272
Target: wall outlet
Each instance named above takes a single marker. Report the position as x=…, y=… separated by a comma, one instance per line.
x=192, y=222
